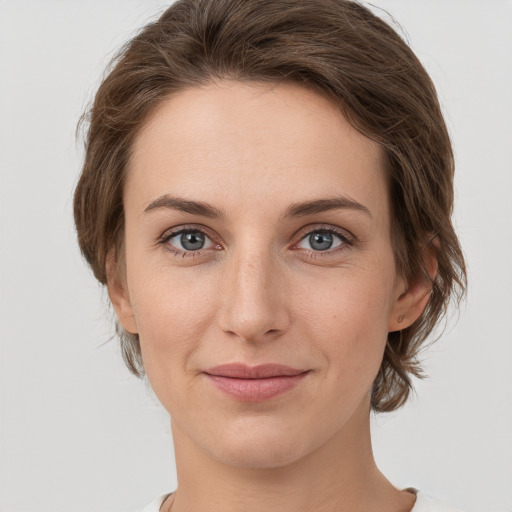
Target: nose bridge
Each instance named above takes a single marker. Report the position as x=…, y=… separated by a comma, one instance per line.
x=253, y=305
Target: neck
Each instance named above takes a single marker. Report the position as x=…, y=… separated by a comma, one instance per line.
x=340, y=476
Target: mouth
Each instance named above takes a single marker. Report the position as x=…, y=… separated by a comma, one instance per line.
x=255, y=383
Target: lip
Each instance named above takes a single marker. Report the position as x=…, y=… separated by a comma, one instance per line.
x=254, y=383
x=261, y=371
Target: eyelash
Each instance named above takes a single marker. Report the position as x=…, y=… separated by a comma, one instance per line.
x=347, y=241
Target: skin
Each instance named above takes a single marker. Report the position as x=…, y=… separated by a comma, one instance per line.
x=260, y=291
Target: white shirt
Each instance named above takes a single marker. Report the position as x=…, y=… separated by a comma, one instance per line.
x=423, y=504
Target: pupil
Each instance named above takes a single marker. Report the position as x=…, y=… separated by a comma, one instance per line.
x=192, y=241
x=321, y=241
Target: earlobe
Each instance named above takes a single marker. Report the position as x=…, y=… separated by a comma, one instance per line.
x=409, y=306
x=413, y=298
x=118, y=294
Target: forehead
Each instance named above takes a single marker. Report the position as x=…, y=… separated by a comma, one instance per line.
x=273, y=143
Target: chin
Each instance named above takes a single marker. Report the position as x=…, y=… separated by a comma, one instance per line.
x=258, y=458
x=258, y=448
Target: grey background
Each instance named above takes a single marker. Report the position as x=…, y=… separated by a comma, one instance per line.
x=77, y=432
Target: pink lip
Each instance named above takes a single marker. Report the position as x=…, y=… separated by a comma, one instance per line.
x=254, y=383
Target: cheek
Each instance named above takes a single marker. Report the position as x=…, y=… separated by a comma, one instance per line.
x=347, y=318
x=172, y=312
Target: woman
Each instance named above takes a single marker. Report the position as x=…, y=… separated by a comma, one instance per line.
x=266, y=194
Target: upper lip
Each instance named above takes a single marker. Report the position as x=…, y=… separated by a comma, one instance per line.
x=262, y=371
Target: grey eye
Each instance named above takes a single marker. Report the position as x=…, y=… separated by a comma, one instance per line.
x=192, y=241
x=321, y=240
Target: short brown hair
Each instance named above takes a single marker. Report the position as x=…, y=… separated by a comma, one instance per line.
x=338, y=48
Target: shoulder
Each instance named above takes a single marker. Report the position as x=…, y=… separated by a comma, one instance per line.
x=426, y=503
x=155, y=505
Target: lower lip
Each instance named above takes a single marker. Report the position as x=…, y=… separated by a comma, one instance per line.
x=256, y=390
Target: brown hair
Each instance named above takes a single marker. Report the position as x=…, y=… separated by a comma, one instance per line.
x=335, y=47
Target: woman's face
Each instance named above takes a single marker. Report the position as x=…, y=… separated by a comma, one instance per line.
x=258, y=233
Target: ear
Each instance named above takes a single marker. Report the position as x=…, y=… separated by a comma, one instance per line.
x=118, y=294
x=412, y=298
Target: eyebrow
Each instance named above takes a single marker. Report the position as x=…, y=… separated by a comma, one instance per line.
x=184, y=205
x=294, y=210
x=324, y=205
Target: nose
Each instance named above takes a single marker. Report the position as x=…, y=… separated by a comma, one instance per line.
x=254, y=299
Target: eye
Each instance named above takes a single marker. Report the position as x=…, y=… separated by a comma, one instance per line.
x=188, y=240
x=321, y=240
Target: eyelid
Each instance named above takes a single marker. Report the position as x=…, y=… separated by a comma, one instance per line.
x=348, y=242
x=188, y=228
x=344, y=234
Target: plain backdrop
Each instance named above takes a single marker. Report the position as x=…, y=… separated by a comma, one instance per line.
x=77, y=432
